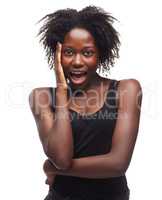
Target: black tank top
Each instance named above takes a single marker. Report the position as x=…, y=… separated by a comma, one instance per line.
x=92, y=135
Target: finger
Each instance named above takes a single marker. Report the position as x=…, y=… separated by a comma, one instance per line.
x=60, y=77
x=58, y=56
x=49, y=180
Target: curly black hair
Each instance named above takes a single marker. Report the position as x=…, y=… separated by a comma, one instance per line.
x=94, y=19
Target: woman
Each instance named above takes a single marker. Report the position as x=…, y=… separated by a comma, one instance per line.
x=88, y=124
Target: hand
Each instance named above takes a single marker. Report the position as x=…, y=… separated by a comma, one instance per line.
x=50, y=171
x=60, y=77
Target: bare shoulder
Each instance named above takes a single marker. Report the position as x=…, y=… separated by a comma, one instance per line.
x=40, y=97
x=130, y=93
x=130, y=84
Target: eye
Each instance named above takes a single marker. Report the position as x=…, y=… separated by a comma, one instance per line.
x=88, y=53
x=68, y=52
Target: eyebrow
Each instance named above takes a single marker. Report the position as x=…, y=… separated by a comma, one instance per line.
x=85, y=47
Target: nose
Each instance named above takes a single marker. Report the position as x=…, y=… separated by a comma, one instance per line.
x=77, y=60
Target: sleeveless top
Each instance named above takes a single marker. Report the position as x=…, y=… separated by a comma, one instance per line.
x=92, y=135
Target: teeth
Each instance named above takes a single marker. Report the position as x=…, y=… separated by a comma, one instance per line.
x=78, y=72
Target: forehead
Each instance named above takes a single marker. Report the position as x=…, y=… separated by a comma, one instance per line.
x=79, y=37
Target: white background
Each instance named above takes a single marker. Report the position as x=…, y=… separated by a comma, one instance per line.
x=23, y=67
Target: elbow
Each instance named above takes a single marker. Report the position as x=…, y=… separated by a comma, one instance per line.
x=121, y=168
x=61, y=163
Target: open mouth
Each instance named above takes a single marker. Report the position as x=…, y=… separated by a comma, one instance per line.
x=78, y=77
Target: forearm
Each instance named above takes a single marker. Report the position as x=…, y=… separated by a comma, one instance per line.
x=101, y=166
x=60, y=140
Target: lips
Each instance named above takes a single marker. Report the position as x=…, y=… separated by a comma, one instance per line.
x=78, y=77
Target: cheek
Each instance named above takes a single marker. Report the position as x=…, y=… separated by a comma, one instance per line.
x=65, y=61
x=92, y=63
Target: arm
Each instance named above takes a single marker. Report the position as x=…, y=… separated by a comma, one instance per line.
x=54, y=128
x=116, y=162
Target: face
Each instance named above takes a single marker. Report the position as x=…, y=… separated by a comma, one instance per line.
x=79, y=57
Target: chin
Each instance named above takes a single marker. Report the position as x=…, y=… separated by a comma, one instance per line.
x=74, y=86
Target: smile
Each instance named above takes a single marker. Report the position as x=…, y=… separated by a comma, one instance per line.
x=78, y=77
